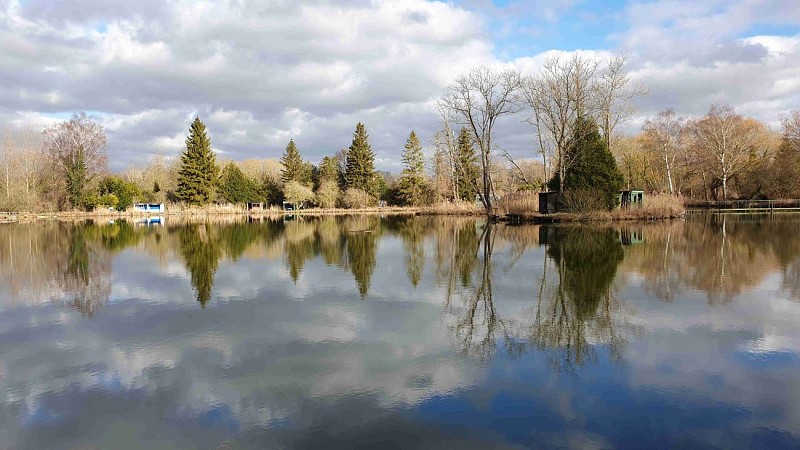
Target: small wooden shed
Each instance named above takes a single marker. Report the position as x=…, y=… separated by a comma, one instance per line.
x=149, y=207
x=630, y=199
x=255, y=206
x=548, y=202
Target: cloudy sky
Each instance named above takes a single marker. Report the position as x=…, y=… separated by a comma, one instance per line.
x=261, y=72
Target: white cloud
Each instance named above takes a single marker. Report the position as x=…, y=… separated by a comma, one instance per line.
x=260, y=74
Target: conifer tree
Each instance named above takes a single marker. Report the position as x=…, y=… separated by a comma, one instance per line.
x=198, y=175
x=411, y=188
x=467, y=170
x=360, y=170
x=593, y=167
x=76, y=174
x=235, y=187
x=293, y=168
x=328, y=170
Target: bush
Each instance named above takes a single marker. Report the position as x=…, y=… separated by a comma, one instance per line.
x=105, y=201
x=356, y=198
x=583, y=200
x=125, y=193
x=327, y=194
x=297, y=193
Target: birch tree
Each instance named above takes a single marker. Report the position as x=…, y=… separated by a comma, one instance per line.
x=727, y=143
x=664, y=135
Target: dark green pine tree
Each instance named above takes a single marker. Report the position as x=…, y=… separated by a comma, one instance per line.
x=77, y=176
x=593, y=166
x=467, y=170
x=411, y=187
x=201, y=252
x=293, y=168
x=328, y=170
x=198, y=175
x=235, y=187
x=360, y=167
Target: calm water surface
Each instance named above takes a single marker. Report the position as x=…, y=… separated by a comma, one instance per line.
x=400, y=333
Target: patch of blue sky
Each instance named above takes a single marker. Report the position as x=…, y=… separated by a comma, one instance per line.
x=519, y=28
x=66, y=115
x=58, y=115
x=771, y=30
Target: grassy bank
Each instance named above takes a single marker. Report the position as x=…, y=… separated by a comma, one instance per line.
x=520, y=206
x=525, y=208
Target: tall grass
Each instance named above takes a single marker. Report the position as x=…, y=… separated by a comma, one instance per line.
x=656, y=206
x=457, y=207
x=519, y=203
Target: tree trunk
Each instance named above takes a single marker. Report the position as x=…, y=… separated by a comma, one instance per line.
x=669, y=172
x=725, y=187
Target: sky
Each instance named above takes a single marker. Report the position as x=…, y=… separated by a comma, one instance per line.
x=259, y=73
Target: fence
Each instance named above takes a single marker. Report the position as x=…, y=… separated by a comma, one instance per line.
x=744, y=205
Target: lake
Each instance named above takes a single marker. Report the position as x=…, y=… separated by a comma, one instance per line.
x=400, y=332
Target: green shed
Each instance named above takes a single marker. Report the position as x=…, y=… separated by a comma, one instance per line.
x=630, y=199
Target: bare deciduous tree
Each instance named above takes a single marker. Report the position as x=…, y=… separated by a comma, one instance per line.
x=444, y=142
x=791, y=127
x=479, y=98
x=22, y=162
x=64, y=139
x=727, y=143
x=80, y=138
x=560, y=94
x=664, y=135
x=614, y=93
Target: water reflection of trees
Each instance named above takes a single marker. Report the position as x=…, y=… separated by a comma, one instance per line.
x=572, y=297
x=720, y=255
x=572, y=307
x=52, y=261
x=580, y=306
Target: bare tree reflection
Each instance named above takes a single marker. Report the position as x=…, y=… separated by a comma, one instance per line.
x=57, y=262
x=721, y=255
x=574, y=310
x=578, y=309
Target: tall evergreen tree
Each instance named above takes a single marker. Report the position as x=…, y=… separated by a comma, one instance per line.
x=360, y=166
x=235, y=187
x=467, y=170
x=76, y=174
x=198, y=175
x=293, y=168
x=411, y=187
x=593, y=166
x=328, y=170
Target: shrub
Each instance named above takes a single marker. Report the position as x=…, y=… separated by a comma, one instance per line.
x=327, y=194
x=94, y=201
x=124, y=192
x=583, y=200
x=356, y=198
x=297, y=193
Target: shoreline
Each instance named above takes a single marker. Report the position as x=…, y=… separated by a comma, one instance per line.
x=533, y=218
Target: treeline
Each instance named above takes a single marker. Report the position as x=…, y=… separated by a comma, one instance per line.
x=722, y=155
x=574, y=105
x=65, y=168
